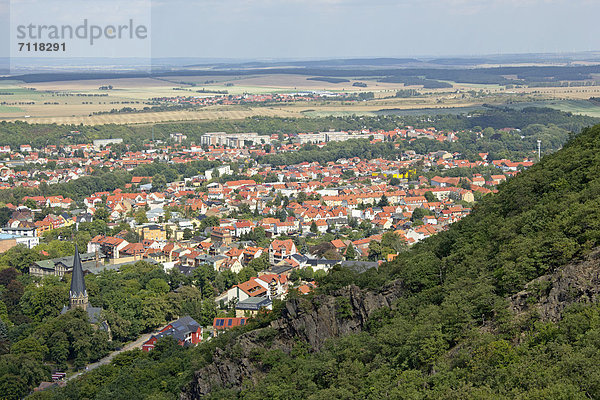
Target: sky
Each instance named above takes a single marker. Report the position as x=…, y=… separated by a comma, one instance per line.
x=380, y=28
x=308, y=29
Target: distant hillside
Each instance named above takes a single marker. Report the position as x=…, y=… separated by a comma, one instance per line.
x=534, y=75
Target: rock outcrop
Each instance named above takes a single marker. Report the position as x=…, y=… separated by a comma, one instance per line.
x=577, y=282
x=311, y=322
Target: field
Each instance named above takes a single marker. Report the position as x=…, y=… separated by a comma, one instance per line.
x=581, y=107
x=155, y=117
x=65, y=102
x=9, y=109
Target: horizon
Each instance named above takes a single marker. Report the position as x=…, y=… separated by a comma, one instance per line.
x=125, y=65
x=346, y=29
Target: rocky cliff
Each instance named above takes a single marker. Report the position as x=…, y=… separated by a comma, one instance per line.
x=313, y=322
x=348, y=310
x=549, y=295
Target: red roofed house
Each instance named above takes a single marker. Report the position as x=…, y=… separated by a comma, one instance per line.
x=221, y=324
x=185, y=330
x=244, y=290
x=138, y=179
x=238, y=184
x=281, y=249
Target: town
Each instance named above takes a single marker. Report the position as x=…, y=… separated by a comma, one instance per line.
x=293, y=217
x=218, y=218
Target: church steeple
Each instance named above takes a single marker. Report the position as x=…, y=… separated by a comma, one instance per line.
x=78, y=293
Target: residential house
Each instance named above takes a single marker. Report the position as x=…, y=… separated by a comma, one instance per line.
x=280, y=249
x=186, y=331
x=221, y=324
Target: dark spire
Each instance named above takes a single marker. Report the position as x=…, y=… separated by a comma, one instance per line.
x=77, y=281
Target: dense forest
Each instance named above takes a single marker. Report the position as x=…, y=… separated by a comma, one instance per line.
x=523, y=74
x=452, y=332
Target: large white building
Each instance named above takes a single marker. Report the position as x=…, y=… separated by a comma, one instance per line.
x=237, y=140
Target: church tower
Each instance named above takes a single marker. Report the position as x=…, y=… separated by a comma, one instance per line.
x=78, y=294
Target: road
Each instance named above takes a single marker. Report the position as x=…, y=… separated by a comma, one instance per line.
x=103, y=361
x=129, y=346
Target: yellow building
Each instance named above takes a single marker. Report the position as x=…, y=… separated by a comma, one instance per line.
x=153, y=232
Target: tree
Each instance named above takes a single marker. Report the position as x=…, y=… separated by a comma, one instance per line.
x=260, y=263
x=155, y=312
x=350, y=252
x=132, y=237
x=13, y=387
x=383, y=202
x=159, y=182
x=101, y=213
x=208, y=313
x=5, y=214
x=393, y=242
x=140, y=216
x=39, y=302
x=331, y=254
x=313, y=227
x=29, y=346
x=4, y=341
x=209, y=221
x=158, y=286
x=8, y=275
x=58, y=350
x=19, y=257
x=281, y=214
x=419, y=213
x=58, y=248
x=120, y=327
x=375, y=251
x=11, y=296
x=488, y=132
x=301, y=197
x=465, y=184
x=31, y=204
x=430, y=196
x=82, y=238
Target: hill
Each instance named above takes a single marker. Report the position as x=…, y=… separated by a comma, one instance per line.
x=502, y=305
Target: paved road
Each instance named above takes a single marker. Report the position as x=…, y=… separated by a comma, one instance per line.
x=130, y=346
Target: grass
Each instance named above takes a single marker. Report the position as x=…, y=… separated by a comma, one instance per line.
x=429, y=111
x=316, y=113
x=580, y=107
x=155, y=117
x=10, y=109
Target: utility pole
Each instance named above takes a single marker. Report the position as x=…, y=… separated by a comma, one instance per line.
x=539, y=149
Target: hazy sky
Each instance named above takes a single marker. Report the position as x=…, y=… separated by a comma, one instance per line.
x=358, y=28
x=250, y=29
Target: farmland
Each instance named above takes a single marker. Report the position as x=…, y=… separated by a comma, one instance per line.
x=132, y=100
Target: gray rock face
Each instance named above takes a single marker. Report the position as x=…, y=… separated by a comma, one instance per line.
x=313, y=323
x=578, y=282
